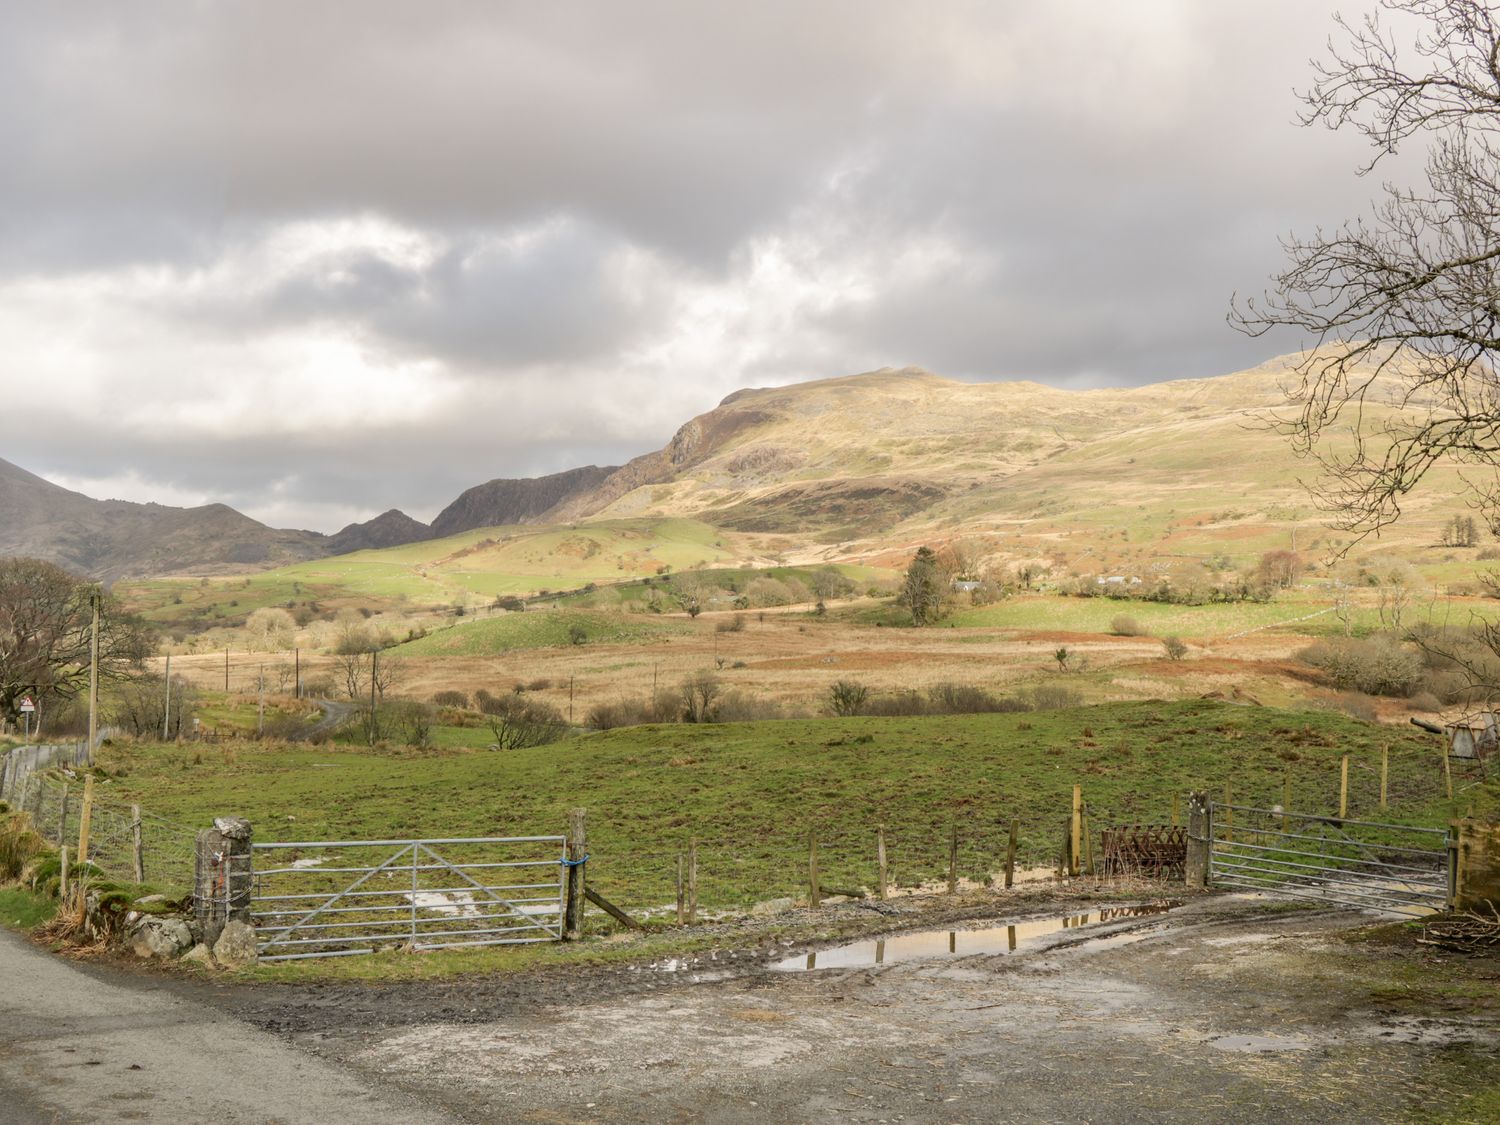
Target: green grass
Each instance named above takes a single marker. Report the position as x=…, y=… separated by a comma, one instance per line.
x=1095, y=615
x=21, y=909
x=539, y=629
x=474, y=566
x=752, y=792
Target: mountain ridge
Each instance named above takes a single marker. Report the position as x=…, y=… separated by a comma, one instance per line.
x=849, y=464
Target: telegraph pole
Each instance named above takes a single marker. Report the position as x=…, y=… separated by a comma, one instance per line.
x=166, y=714
x=374, y=677
x=94, y=675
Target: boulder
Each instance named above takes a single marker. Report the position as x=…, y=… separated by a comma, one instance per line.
x=198, y=955
x=236, y=945
x=160, y=937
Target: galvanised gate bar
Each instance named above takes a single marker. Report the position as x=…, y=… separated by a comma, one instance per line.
x=1387, y=867
x=332, y=898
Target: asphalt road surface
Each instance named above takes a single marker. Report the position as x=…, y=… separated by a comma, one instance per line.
x=75, y=1047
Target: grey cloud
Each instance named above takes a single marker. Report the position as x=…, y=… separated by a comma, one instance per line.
x=485, y=305
x=1102, y=178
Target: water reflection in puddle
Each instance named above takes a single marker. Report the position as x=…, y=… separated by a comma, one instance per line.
x=930, y=944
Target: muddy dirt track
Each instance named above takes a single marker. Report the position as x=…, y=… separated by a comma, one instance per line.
x=1223, y=1010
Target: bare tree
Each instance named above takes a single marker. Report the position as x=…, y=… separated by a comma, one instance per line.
x=45, y=628
x=271, y=628
x=350, y=669
x=700, y=697
x=388, y=671
x=1396, y=583
x=1402, y=304
x=516, y=721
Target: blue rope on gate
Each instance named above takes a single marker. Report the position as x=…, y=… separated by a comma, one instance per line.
x=574, y=862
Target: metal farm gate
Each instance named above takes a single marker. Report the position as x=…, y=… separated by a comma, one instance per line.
x=343, y=897
x=1387, y=867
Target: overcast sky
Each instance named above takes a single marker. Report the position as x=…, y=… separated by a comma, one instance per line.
x=316, y=260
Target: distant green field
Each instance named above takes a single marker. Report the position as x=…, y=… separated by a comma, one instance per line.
x=752, y=792
x=474, y=566
x=1096, y=615
x=539, y=629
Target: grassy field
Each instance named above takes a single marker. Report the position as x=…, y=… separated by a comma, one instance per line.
x=470, y=568
x=752, y=792
x=1096, y=615
x=22, y=909
x=483, y=636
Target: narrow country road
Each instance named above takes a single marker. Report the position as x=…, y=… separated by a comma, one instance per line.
x=335, y=715
x=75, y=1047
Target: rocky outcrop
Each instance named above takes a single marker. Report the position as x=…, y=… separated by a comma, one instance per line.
x=389, y=529
x=499, y=502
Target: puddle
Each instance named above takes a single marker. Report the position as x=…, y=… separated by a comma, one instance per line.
x=1257, y=1044
x=458, y=904
x=933, y=944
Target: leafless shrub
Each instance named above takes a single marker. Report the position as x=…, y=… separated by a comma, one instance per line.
x=847, y=697
x=517, y=722
x=1055, y=697
x=1375, y=665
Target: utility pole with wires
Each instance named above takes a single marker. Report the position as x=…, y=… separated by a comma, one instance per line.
x=374, y=679
x=94, y=599
x=166, y=714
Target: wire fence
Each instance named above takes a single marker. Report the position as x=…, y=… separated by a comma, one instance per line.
x=125, y=842
x=969, y=848
x=739, y=873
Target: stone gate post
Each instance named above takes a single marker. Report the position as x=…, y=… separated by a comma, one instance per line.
x=222, y=874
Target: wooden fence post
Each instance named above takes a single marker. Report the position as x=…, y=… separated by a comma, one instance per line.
x=1286, y=795
x=813, y=898
x=62, y=890
x=1010, y=854
x=681, y=892
x=692, y=885
x=1088, y=843
x=1448, y=773
x=1199, y=840
x=1076, y=837
x=138, y=853
x=62, y=816
x=85, y=818
x=884, y=871
x=577, y=853
x=1385, y=772
x=1344, y=788
x=953, y=858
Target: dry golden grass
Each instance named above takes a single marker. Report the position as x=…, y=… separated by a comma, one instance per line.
x=792, y=659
